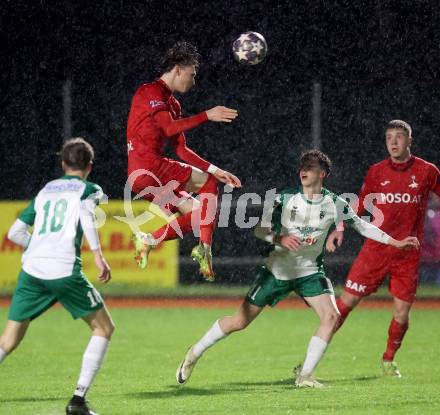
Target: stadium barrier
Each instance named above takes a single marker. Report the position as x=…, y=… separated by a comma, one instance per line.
x=116, y=242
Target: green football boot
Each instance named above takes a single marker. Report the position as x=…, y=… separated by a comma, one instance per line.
x=201, y=253
x=389, y=368
x=143, y=244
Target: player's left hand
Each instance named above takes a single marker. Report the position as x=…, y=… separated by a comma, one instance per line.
x=227, y=178
x=334, y=240
x=221, y=114
x=104, y=268
x=410, y=242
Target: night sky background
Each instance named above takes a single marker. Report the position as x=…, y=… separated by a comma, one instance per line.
x=376, y=61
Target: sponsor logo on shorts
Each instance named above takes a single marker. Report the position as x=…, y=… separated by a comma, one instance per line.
x=360, y=288
x=400, y=198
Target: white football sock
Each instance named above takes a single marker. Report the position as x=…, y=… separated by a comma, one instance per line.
x=212, y=336
x=92, y=360
x=3, y=355
x=315, y=351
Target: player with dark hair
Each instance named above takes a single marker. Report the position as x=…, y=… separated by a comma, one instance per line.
x=403, y=183
x=155, y=118
x=296, y=228
x=61, y=213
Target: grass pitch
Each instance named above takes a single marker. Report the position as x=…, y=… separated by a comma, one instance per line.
x=248, y=373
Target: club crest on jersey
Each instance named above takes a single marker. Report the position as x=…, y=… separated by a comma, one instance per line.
x=129, y=146
x=154, y=104
x=413, y=184
x=293, y=213
x=322, y=213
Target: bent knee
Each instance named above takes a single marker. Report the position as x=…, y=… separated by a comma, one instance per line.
x=241, y=323
x=105, y=330
x=109, y=329
x=402, y=317
x=331, y=319
x=349, y=299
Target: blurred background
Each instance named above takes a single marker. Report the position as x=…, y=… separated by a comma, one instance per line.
x=335, y=74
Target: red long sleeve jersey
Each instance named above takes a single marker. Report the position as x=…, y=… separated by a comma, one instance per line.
x=402, y=192
x=147, y=132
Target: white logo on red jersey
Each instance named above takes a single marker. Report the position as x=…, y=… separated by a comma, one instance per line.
x=155, y=104
x=384, y=183
x=129, y=146
x=413, y=185
x=400, y=198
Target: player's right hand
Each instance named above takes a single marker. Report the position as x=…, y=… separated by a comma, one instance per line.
x=290, y=242
x=410, y=242
x=104, y=268
x=334, y=240
x=221, y=114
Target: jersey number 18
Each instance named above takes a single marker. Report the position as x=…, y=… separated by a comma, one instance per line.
x=58, y=216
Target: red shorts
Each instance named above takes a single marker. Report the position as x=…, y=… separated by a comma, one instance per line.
x=161, y=179
x=375, y=262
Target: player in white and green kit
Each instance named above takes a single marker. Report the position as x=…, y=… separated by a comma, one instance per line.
x=297, y=228
x=61, y=213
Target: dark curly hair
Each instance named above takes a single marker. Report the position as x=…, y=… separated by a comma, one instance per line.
x=313, y=157
x=182, y=53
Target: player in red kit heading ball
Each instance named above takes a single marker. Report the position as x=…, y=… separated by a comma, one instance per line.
x=156, y=118
x=400, y=186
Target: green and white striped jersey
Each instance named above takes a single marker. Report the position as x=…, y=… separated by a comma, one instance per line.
x=311, y=221
x=58, y=215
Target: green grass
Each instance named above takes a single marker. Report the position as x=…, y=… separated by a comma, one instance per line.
x=211, y=290
x=248, y=373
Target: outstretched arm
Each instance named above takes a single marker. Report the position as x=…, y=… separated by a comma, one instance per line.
x=192, y=158
x=370, y=231
x=189, y=156
x=171, y=127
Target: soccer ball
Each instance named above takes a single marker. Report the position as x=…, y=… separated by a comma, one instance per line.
x=249, y=48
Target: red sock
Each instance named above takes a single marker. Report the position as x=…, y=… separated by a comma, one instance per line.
x=167, y=232
x=208, y=209
x=344, y=310
x=396, y=332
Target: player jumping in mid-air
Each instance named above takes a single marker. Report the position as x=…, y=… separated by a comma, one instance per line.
x=403, y=183
x=51, y=265
x=155, y=118
x=297, y=228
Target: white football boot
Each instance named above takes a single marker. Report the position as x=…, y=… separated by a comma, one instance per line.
x=185, y=369
x=305, y=381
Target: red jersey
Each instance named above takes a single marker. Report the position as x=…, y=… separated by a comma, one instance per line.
x=402, y=192
x=147, y=135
